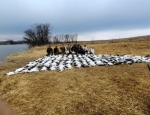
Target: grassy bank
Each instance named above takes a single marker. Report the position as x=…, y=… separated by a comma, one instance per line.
x=106, y=90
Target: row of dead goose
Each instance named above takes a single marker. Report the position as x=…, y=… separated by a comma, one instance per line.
x=63, y=62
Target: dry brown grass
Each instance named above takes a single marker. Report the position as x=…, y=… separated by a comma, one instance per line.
x=106, y=90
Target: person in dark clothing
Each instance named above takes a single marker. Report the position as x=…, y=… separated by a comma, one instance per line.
x=63, y=49
x=75, y=48
x=56, y=50
x=80, y=49
x=49, y=51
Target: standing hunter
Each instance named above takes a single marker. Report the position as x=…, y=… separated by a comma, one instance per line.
x=63, y=49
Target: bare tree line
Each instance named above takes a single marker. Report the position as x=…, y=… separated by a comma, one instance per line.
x=40, y=34
x=67, y=38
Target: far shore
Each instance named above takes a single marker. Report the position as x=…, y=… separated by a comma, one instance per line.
x=11, y=44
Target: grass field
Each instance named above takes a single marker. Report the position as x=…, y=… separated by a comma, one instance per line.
x=105, y=90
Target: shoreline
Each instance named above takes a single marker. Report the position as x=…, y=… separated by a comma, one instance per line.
x=3, y=60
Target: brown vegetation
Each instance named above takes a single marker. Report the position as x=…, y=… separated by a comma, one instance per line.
x=105, y=90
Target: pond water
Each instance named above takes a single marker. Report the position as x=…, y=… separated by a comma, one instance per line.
x=6, y=50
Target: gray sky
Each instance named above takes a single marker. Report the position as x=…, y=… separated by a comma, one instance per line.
x=90, y=19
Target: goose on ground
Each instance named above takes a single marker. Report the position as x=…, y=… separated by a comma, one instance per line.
x=43, y=68
x=68, y=66
x=31, y=64
x=35, y=69
x=68, y=61
x=25, y=71
x=60, y=69
x=78, y=66
x=10, y=73
x=52, y=68
x=48, y=63
x=130, y=62
x=99, y=63
x=91, y=63
x=19, y=70
x=110, y=63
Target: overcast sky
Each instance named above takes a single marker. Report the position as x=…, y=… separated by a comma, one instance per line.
x=90, y=19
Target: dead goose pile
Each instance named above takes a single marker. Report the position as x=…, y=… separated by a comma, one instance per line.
x=63, y=62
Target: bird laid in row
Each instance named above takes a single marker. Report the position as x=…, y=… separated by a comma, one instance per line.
x=64, y=62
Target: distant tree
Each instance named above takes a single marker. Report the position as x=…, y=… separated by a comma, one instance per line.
x=56, y=39
x=75, y=37
x=66, y=38
x=10, y=41
x=61, y=38
x=39, y=34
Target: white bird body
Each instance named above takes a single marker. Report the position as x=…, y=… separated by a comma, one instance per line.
x=78, y=66
x=92, y=63
x=39, y=65
x=47, y=64
x=69, y=61
x=85, y=63
x=60, y=69
x=19, y=70
x=53, y=68
x=25, y=71
x=70, y=56
x=10, y=73
x=44, y=68
x=61, y=66
x=54, y=64
x=68, y=66
x=109, y=63
x=31, y=64
x=147, y=61
x=100, y=63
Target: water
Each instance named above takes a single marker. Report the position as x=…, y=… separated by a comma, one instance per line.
x=6, y=50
